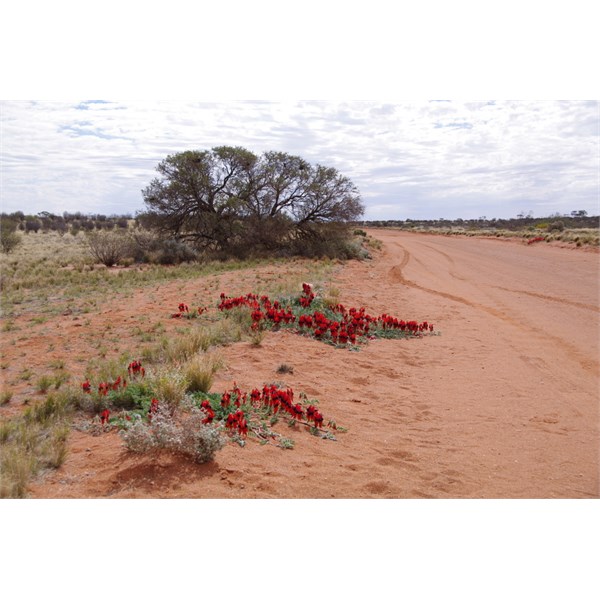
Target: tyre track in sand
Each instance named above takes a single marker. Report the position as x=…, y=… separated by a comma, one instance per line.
x=509, y=392
x=396, y=275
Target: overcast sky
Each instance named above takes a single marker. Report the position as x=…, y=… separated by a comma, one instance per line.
x=409, y=160
x=82, y=147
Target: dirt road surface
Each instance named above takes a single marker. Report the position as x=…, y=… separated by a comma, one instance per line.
x=503, y=403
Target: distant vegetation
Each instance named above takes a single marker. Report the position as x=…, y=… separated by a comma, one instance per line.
x=71, y=223
x=577, y=227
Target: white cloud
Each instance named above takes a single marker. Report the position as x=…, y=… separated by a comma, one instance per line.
x=411, y=159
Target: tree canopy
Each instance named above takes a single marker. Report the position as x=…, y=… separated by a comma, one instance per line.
x=228, y=196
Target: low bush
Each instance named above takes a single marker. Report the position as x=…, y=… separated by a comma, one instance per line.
x=9, y=238
x=184, y=432
x=108, y=247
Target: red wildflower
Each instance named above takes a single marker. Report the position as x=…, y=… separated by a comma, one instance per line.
x=210, y=413
x=87, y=388
x=225, y=399
x=153, y=408
x=318, y=419
x=104, y=416
x=135, y=368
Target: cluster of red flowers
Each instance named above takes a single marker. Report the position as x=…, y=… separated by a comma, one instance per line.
x=389, y=322
x=107, y=386
x=135, y=368
x=342, y=331
x=210, y=413
x=312, y=414
x=237, y=422
x=307, y=296
x=272, y=398
x=535, y=240
x=262, y=309
x=353, y=323
x=184, y=311
x=104, y=416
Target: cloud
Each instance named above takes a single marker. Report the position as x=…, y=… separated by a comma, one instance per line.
x=411, y=159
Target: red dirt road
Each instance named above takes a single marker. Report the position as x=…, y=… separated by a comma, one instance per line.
x=503, y=404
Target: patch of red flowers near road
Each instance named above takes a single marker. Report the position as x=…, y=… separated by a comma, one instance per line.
x=335, y=324
x=535, y=240
x=240, y=410
x=184, y=311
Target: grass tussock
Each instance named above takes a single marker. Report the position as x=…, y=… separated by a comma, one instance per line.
x=32, y=442
x=200, y=370
x=180, y=349
x=169, y=385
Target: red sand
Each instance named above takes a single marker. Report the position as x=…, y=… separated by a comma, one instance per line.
x=503, y=404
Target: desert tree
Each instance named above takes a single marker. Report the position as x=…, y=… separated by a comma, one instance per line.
x=228, y=196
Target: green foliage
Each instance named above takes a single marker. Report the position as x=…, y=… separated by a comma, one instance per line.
x=556, y=226
x=232, y=202
x=136, y=396
x=9, y=238
x=43, y=383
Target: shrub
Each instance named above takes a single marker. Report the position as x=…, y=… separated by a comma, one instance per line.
x=184, y=432
x=556, y=226
x=173, y=252
x=108, y=247
x=9, y=238
x=148, y=247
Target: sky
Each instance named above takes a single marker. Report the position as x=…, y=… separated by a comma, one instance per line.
x=433, y=109
x=423, y=159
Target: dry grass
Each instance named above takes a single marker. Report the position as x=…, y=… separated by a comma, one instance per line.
x=32, y=442
x=578, y=237
x=169, y=385
x=47, y=266
x=200, y=370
